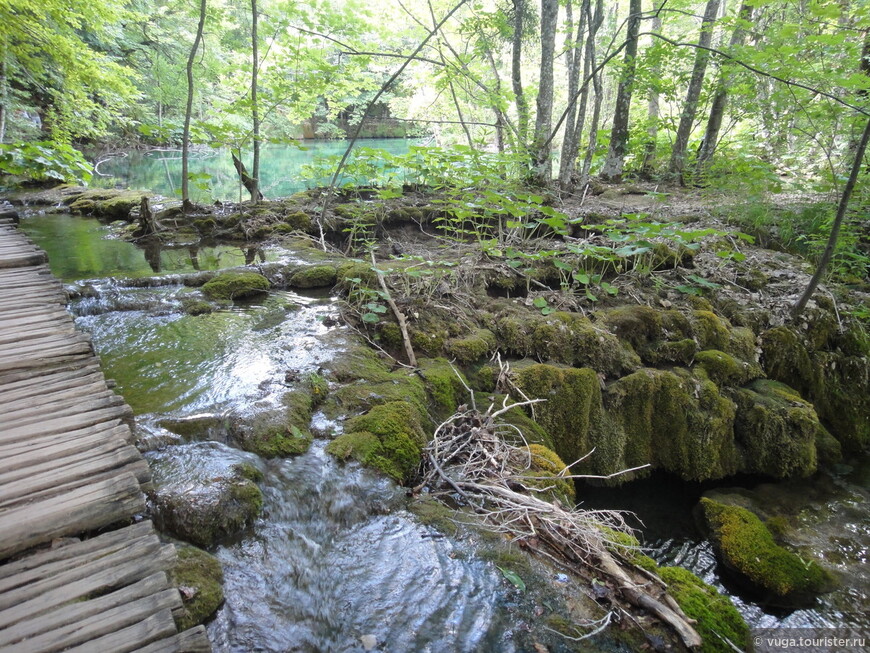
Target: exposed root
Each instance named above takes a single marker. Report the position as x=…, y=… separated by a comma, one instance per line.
x=480, y=462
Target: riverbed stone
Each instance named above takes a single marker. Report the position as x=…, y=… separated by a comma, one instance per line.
x=315, y=276
x=236, y=285
x=199, y=577
x=201, y=494
x=107, y=203
x=747, y=549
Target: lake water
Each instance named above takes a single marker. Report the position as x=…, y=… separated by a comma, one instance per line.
x=159, y=171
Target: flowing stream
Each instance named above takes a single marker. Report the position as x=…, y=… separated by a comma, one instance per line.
x=335, y=563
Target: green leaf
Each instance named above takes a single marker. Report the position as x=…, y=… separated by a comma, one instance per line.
x=513, y=578
x=371, y=318
x=539, y=302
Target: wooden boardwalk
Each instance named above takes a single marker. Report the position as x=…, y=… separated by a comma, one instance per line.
x=76, y=574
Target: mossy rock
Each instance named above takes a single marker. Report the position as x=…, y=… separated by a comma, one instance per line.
x=362, y=395
x=236, y=285
x=671, y=420
x=572, y=412
x=356, y=273
x=444, y=384
x=432, y=512
x=471, y=348
x=637, y=325
x=837, y=384
x=316, y=276
x=725, y=369
x=710, y=331
x=717, y=620
x=777, y=430
x=277, y=441
x=298, y=221
x=544, y=476
x=388, y=438
x=194, y=306
x=747, y=549
x=567, y=338
x=106, y=203
x=201, y=578
x=357, y=363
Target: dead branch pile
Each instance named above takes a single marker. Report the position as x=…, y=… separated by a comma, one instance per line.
x=476, y=459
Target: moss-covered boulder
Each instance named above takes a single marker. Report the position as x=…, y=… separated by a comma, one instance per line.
x=567, y=338
x=777, y=430
x=389, y=438
x=445, y=385
x=315, y=276
x=835, y=380
x=199, y=577
x=472, y=347
x=236, y=285
x=196, y=306
x=282, y=433
x=107, y=203
x=725, y=369
x=671, y=420
x=747, y=549
x=721, y=627
x=572, y=412
x=201, y=493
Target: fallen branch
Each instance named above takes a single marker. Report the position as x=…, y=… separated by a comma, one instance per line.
x=400, y=318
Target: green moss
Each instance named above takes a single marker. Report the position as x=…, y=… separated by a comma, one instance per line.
x=746, y=547
x=318, y=389
x=390, y=335
x=358, y=363
x=205, y=226
x=362, y=395
x=433, y=513
x=637, y=325
x=194, y=306
x=710, y=330
x=201, y=576
x=316, y=276
x=567, y=338
x=681, y=352
x=276, y=441
x=724, y=369
x=248, y=471
x=298, y=221
x=473, y=347
x=236, y=285
x=444, y=385
x=671, y=420
x=388, y=438
x=355, y=269
x=545, y=472
x=107, y=203
x=571, y=413
x=717, y=619
x=429, y=343
x=246, y=493
x=776, y=430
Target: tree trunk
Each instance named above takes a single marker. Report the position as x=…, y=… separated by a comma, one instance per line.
x=185, y=139
x=452, y=87
x=4, y=91
x=516, y=72
x=544, y=116
x=615, y=161
x=599, y=94
x=690, y=106
x=720, y=101
x=838, y=222
x=254, y=188
x=649, y=148
x=249, y=182
x=577, y=63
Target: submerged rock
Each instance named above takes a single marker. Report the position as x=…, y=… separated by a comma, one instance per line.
x=202, y=493
x=746, y=547
x=236, y=285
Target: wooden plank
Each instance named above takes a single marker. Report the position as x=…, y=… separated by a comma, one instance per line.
x=42, y=399
x=129, y=639
x=46, y=384
x=71, y=613
x=105, y=623
x=142, y=558
x=55, y=367
x=60, y=424
x=53, y=447
x=57, y=490
x=65, y=405
x=192, y=640
x=35, y=566
x=81, y=509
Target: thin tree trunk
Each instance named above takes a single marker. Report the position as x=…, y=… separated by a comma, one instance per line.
x=838, y=221
x=649, y=148
x=185, y=139
x=544, y=116
x=599, y=95
x=690, y=106
x=4, y=90
x=247, y=180
x=255, y=109
x=516, y=72
x=577, y=63
x=455, y=99
x=720, y=101
x=615, y=160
